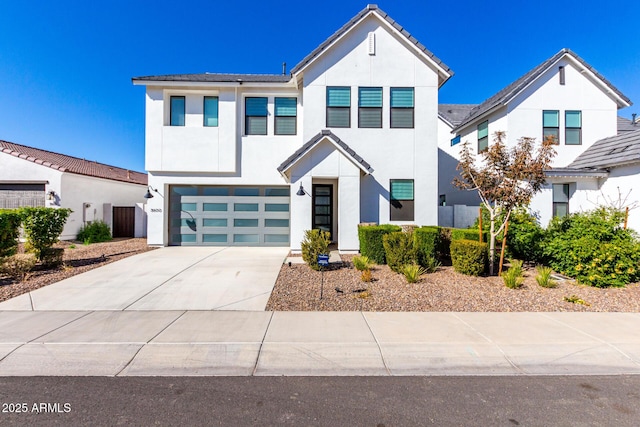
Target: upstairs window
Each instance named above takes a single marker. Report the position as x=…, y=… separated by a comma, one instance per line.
x=401, y=200
x=455, y=141
x=560, y=199
x=285, y=116
x=402, y=105
x=573, y=127
x=483, y=136
x=210, y=109
x=551, y=124
x=338, y=107
x=255, y=116
x=177, y=111
x=370, y=107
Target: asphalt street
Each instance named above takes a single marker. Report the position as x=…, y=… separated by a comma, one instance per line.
x=322, y=401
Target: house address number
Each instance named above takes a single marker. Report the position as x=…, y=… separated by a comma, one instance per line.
x=156, y=210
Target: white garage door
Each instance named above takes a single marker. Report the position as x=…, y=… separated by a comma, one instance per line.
x=229, y=215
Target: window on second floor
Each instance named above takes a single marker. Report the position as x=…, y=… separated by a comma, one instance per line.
x=560, y=199
x=176, y=111
x=255, y=116
x=338, y=107
x=551, y=124
x=370, y=107
x=455, y=141
x=210, y=110
x=483, y=136
x=402, y=107
x=285, y=116
x=573, y=127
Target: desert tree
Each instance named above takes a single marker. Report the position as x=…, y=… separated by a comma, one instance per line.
x=504, y=178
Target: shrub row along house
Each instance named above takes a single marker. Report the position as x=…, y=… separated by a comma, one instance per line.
x=350, y=135
x=31, y=177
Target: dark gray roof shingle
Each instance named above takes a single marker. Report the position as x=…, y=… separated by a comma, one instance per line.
x=454, y=113
x=508, y=93
x=346, y=27
x=626, y=125
x=317, y=138
x=613, y=151
x=70, y=164
x=218, y=78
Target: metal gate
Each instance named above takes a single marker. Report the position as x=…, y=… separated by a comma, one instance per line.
x=124, y=221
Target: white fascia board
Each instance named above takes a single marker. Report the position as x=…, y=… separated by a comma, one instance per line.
x=169, y=83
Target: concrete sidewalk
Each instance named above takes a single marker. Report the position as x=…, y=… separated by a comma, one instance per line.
x=173, y=343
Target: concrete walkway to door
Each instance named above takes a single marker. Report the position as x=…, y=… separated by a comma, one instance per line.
x=171, y=278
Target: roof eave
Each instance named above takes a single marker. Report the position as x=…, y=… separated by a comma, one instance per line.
x=182, y=83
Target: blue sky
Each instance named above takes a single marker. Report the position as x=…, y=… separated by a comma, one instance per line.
x=66, y=66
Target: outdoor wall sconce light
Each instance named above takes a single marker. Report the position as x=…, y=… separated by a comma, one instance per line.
x=52, y=195
x=149, y=190
x=301, y=191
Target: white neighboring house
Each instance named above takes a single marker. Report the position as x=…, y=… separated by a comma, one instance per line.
x=349, y=136
x=94, y=191
x=564, y=97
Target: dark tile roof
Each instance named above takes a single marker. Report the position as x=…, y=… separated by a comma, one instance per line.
x=346, y=27
x=613, y=151
x=626, y=125
x=217, y=78
x=313, y=141
x=454, y=113
x=508, y=93
x=70, y=164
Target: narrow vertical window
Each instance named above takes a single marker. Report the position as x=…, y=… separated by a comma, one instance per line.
x=401, y=200
x=255, y=116
x=551, y=124
x=560, y=199
x=483, y=136
x=338, y=107
x=285, y=116
x=370, y=107
x=210, y=109
x=573, y=127
x=402, y=106
x=177, y=111
x=561, y=74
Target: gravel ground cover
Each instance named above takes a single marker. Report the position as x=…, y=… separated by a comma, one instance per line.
x=77, y=259
x=298, y=289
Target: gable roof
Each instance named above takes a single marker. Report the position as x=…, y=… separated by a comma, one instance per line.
x=626, y=125
x=613, y=151
x=340, y=144
x=217, y=78
x=64, y=163
x=453, y=114
x=504, y=96
x=445, y=71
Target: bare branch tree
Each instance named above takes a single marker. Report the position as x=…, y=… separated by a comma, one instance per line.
x=505, y=179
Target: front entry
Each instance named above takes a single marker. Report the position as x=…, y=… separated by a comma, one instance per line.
x=323, y=207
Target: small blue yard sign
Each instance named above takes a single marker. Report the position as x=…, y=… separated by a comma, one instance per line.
x=323, y=260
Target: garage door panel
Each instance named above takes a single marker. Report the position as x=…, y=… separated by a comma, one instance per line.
x=240, y=215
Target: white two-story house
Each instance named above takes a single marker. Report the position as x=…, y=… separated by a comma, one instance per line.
x=564, y=97
x=348, y=136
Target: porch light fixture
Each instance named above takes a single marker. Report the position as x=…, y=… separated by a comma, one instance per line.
x=149, y=190
x=301, y=191
x=52, y=195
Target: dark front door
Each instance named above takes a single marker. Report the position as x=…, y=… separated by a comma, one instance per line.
x=323, y=207
x=124, y=220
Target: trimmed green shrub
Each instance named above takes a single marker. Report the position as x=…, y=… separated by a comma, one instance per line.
x=468, y=257
x=412, y=272
x=398, y=247
x=9, y=229
x=18, y=266
x=426, y=241
x=593, y=248
x=513, y=277
x=316, y=242
x=370, y=237
x=361, y=263
x=96, y=232
x=43, y=227
x=468, y=234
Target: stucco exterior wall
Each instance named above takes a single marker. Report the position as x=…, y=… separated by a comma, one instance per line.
x=622, y=189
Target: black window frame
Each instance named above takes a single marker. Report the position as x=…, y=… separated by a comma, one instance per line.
x=572, y=128
x=546, y=129
x=171, y=109
x=370, y=109
x=484, y=139
x=247, y=116
x=345, y=108
x=276, y=116
x=402, y=209
x=555, y=204
x=395, y=109
x=204, y=111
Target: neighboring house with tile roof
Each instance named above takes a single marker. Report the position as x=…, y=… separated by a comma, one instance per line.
x=626, y=125
x=94, y=191
x=241, y=160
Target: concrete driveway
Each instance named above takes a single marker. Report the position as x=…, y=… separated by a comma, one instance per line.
x=171, y=278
